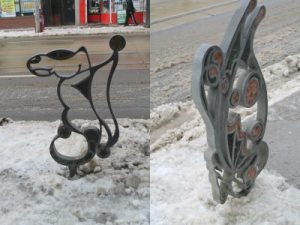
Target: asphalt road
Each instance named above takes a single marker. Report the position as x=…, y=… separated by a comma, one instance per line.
x=173, y=47
x=33, y=98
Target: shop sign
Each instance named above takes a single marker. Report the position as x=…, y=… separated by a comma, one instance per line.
x=7, y=8
x=121, y=16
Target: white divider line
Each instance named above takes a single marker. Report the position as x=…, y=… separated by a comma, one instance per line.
x=192, y=12
x=17, y=76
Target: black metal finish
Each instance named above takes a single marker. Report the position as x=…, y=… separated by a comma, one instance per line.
x=91, y=134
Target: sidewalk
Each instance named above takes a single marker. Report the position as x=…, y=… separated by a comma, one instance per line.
x=282, y=136
x=73, y=30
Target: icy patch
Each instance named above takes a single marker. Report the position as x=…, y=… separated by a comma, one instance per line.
x=36, y=190
x=51, y=31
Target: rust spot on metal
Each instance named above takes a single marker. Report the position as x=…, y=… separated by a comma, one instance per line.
x=218, y=58
x=256, y=131
x=251, y=172
x=213, y=72
x=224, y=85
x=235, y=98
x=252, y=91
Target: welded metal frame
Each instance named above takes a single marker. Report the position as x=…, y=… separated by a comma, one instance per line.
x=224, y=78
x=92, y=134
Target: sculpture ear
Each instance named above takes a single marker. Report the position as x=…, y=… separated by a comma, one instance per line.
x=81, y=49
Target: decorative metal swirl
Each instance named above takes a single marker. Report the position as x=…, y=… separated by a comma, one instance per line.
x=91, y=134
x=223, y=78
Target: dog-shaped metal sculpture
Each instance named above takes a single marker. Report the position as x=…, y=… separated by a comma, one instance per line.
x=91, y=134
x=236, y=153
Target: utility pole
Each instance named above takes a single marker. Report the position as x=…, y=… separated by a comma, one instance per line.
x=37, y=16
x=147, y=13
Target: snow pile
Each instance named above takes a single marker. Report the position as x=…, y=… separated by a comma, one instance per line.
x=37, y=190
x=166, y=119
x=181, y=193
x=51, y=31
x=180, y=189
x=290, y=65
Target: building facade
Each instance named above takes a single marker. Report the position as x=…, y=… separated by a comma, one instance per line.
x=20, y=13
x=16, y=13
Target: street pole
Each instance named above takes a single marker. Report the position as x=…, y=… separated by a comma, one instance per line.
x=37, y=17
x=147, y=13
x=110, y=11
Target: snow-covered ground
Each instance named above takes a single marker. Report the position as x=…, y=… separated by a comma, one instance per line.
x=36, y=190
x=180, y=189
x=72, y=30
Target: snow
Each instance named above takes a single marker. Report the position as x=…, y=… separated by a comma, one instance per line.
x=72, y=30
x=180, y=189
x=37, y=190
x=181, y=193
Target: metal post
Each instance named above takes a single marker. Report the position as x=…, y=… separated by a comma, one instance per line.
x=20, y=8
x=37, y=17
x=110, y=12
x=147, y=13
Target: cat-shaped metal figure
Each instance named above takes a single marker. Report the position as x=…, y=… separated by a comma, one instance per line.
x=224, y=78
x=91, y=134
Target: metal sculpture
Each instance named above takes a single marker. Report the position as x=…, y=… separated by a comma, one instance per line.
x=224, y=78
x=91, y=134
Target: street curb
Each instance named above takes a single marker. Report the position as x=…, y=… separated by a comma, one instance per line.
x=193, y=12
x=5, y=34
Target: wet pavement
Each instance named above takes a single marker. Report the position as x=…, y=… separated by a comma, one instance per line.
x=26, y=98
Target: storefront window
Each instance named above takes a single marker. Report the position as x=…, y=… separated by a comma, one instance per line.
x=7, y=8
x=93, y=6
x=57, y=12
x=139, y=5
x=25, y=7
x=105, y=6
x=120, y=5
x=13, y=8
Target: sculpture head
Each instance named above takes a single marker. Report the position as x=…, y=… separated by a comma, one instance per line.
x=36, y=63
